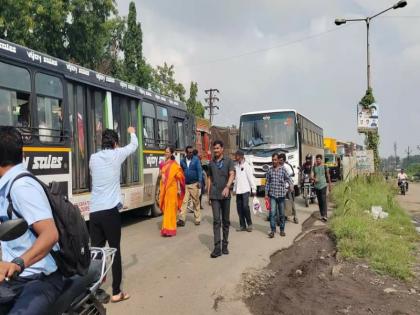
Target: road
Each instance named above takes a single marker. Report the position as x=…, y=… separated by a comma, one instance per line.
x=411, y=202
x=176, y=275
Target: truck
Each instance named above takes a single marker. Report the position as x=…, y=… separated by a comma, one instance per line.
x=332, y=158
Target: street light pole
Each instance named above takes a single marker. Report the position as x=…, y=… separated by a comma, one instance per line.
x=368, y=53
x=367, y=20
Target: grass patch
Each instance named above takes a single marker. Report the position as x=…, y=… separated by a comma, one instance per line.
x=388, y=245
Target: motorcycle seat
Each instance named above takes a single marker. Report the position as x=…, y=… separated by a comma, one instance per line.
x=76, y=288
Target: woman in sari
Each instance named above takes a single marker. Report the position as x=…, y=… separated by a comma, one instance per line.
x=172, y=190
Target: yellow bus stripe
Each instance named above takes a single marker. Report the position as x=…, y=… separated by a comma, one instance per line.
x=153, y=152
x=45, y=149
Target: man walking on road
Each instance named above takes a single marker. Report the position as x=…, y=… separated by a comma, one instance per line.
x=322, y=179
x=275, y=190
x=105, y=220
x=193, y=172
x=220, y=179
x=244, y=186
x=291, y=192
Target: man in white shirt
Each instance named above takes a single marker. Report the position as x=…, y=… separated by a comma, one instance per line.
x=290, y=193
x=402, y=176
x=105, y=221
x=244, y=186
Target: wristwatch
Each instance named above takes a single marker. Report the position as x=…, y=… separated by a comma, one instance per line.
x=19, y=261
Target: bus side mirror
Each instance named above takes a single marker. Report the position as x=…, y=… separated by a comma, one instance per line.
x=237, y=140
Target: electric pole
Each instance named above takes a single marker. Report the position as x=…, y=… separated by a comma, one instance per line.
x=211, y=102
x=395, y=155
x=408, y=151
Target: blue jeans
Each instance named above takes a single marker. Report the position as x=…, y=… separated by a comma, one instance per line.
x=277, y=211
x=33, y=295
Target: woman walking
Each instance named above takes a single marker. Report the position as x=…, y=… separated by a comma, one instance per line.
x=172, y=190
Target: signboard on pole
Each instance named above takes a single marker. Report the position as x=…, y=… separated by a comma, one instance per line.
x=365, y=162
x=367, y=118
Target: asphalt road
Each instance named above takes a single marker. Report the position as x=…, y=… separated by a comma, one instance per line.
x=176, y=275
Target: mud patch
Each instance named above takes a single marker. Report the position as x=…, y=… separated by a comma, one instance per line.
x=307, y=279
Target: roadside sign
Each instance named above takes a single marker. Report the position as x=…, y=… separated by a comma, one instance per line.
x=365, y=162
x=367, y=118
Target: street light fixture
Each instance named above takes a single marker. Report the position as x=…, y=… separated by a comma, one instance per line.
x=338, y=22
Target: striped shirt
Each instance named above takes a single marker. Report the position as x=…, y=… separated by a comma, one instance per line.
x=277, y=178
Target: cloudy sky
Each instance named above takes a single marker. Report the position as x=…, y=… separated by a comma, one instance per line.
x=268, y=54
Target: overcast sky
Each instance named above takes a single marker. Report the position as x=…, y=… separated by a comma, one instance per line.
x=268, y=54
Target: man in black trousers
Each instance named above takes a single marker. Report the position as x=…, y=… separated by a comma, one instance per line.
x=220, y=179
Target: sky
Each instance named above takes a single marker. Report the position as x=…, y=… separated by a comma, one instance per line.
x=271, y=54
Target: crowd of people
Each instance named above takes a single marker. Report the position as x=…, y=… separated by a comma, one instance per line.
x=39, y=282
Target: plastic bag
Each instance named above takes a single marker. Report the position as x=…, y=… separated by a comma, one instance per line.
x=267, y=204
x=256, y=205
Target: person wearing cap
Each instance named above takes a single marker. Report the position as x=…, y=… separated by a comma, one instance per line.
x=244, y=187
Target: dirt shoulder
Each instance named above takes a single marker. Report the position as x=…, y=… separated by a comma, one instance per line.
x=307, y=278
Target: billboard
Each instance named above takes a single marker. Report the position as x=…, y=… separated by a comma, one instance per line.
x=367, y=118
x=365, y=162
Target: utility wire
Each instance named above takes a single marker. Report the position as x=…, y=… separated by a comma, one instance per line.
x=257, y=51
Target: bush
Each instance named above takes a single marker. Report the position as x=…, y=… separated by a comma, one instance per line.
x=388, y=245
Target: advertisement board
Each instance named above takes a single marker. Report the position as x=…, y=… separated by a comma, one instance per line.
x=365, y=162
x=367, y=118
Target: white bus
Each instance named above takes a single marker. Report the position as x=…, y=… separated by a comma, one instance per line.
x=263, y=133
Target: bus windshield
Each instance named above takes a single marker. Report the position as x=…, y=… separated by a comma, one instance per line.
x=268, y=131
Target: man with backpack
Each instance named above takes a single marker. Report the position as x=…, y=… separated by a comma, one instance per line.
x=105, y=220
x=29, y=278
x=321, y=177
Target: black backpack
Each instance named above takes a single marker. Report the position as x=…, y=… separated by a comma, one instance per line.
x=73, y=257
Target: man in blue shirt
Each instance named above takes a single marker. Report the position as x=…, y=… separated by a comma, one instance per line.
x=39, y=282
x=105, y=221
x=193, y=172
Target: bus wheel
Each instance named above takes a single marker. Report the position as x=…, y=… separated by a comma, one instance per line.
x=155, y=212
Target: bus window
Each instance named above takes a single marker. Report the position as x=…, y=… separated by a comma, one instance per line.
x=49, y=107
x=180, y=134
x=149, y=116
x=163, y=127
x=15, y=87
x=133, y=121
x=99, y=101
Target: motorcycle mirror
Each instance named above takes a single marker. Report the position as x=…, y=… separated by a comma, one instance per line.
x=12, y=229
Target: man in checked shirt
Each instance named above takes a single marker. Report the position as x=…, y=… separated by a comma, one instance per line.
x=275, y=191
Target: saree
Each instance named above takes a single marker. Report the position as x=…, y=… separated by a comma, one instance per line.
x=169, y=199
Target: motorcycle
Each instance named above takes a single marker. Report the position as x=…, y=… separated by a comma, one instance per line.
x=308, y=191
x=79, y=293
x=403, y=186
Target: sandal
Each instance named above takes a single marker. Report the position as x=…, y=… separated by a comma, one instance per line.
x=121, y=297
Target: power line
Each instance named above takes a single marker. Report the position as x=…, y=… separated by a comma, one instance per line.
x=257, y=51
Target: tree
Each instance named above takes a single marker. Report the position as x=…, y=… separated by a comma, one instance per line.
x=372, y=139
x=89, y=31
x=165, y=84
x=38, y=24
x=137, y=71
x=193, y=106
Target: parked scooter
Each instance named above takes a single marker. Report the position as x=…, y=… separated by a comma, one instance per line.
x=78, y=295
x=308, y=190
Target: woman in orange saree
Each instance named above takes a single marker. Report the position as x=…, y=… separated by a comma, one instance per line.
x=172, y=191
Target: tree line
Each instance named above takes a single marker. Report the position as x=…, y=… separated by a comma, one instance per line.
x=91, y=33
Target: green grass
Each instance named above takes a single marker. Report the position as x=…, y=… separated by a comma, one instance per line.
x=388, y=244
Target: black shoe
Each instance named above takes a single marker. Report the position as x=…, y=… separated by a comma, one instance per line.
x=216, y=253
x=249, y=228
x=282, y=233
x=180, y=223
x=102, y=296
x=225, y=250
x=271, y=234
x=295, y=220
